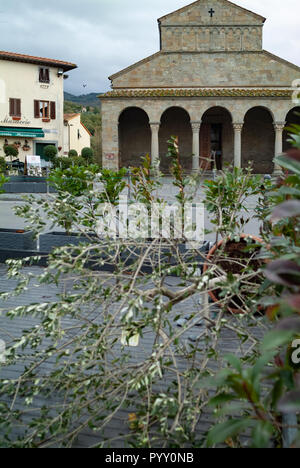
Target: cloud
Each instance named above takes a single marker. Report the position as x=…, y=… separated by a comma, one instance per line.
x=104, y=36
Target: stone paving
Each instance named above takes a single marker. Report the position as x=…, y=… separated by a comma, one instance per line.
x=10, y=329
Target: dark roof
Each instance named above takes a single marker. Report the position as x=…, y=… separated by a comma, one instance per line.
x=14, y=57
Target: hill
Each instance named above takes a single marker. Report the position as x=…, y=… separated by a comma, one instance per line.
x=85, y=100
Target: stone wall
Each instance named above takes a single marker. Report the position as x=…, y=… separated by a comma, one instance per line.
x=214, y=38
x=207, y=69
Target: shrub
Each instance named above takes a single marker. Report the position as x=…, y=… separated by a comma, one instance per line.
x=72, y=153
x=87, y=154
x=11, y=151
x=50, y=153
x=2, y=182
x=66, y=162
x=2, y=165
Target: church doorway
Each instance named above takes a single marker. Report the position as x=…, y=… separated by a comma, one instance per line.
x=216, y=139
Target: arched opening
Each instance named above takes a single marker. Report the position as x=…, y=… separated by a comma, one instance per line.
x=293, y=117
x=216, y=139
x=176, y=121
x=258, y=140
x=134, y=136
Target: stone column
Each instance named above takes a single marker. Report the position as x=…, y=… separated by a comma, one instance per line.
x=196, y=145
x=237, y=127
x=154, y=142
x=278, y=127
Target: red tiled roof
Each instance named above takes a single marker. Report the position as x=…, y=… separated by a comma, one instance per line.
x=12, y=56
x=68, y=117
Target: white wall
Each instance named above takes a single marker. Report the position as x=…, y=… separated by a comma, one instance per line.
x=21, y=81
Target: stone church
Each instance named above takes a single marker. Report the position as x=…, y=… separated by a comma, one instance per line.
x=212, y=85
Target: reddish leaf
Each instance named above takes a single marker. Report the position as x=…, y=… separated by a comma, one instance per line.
x=294, y=301
x=294, y=154
x=291, y=323
x=284, y=272
x=272, y=312
x=288, y=209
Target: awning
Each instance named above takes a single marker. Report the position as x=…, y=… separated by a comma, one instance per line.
x=22, y=132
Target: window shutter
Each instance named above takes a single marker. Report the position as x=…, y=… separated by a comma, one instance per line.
x=11, y=107
x=36, y=109
x=41, y=75
x=53, y=110
x=18, y=107
x=46, y=75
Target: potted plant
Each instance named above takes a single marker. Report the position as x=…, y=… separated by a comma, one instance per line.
x=234, y=252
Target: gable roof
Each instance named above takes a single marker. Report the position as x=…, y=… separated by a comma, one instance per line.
x=14, y=57
x=187, y=7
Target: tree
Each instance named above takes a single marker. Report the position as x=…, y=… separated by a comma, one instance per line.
x=87, y=154
x=50, y=152
x=11, y=151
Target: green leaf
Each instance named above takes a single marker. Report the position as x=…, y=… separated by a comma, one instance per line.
x=262, y=434
x=276, y=338
x=234, y=362
x=221, y=399
x=288, y=163
x=223, y=431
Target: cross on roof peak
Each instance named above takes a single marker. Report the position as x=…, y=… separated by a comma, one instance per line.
x=211, y=12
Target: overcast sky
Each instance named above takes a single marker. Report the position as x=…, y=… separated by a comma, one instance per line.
x=105, y=36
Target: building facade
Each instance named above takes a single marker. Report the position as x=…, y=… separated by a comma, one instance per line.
x=31, y=103
x=76, y=135
x=211, y=84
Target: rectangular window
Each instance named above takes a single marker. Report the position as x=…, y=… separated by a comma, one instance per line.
x=44, y=75
x=14, y=107
x=44, y=110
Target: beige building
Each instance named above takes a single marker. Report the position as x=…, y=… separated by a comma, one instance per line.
x=31, y=102
x=211, y=84
x=76, y=135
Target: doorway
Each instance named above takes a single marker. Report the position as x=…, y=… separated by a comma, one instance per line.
x=39, y=151
x=216, y=139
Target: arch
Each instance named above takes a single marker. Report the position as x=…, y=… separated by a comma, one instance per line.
x=292, y=117
x=134, y=136
x=216, y=134
x=267, y=108
x=175, y=121
x=258, y=140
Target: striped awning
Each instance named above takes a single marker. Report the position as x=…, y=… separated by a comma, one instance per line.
x=22, y=132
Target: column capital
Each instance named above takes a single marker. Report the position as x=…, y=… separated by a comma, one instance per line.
x=238, y=126
x=154, y=125
x=279, y=126
x=196, y=126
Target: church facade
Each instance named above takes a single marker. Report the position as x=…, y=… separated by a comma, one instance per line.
x=212, y=85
